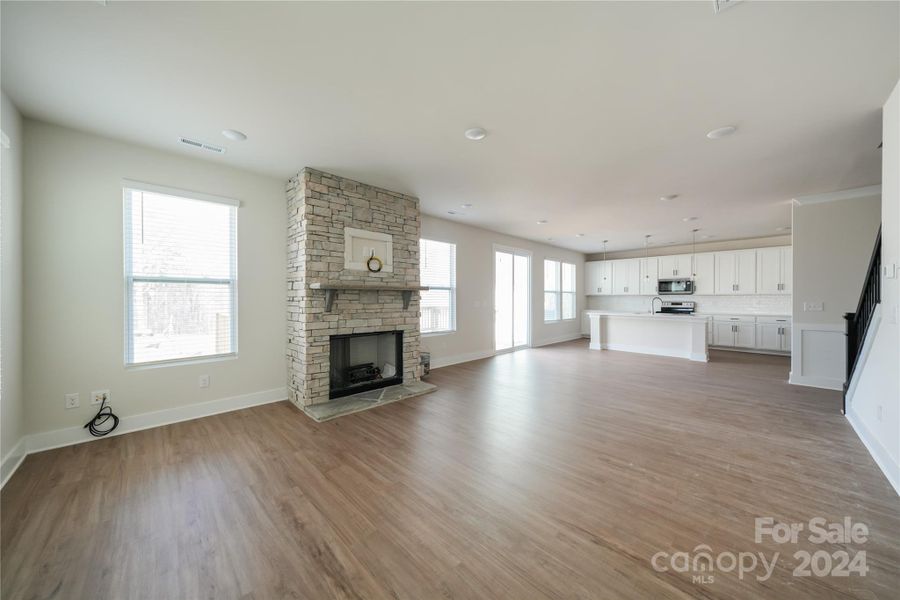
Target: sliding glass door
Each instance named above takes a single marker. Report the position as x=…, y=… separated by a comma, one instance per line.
x=512, y=307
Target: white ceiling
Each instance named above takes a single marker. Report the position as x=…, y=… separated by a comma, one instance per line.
x=594, y=110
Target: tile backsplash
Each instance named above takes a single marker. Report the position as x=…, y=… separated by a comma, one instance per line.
x=740, y=305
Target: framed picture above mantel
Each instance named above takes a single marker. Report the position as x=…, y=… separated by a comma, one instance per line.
x=368, y=251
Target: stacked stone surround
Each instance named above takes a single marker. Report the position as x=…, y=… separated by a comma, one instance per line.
x=320, y=206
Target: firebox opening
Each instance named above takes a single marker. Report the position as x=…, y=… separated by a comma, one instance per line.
x=365, y=361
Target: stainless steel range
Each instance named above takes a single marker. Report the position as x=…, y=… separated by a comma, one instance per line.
x=674, y=307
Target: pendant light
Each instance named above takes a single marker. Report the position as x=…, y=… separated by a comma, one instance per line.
x=694, y=250
x=604, y=249
x=646, y=254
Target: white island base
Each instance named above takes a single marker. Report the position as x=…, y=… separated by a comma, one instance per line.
x=680, y=336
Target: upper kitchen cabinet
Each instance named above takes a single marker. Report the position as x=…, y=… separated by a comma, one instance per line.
x=735, y=272
x=626, y=276
x=678, y=265
x=649, y=269
x=705, y=274
x=598, y=278
x=774, y=270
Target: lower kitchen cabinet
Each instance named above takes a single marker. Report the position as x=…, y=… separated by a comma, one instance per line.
x=766, y=334
x=734, y=335
x=774, y=335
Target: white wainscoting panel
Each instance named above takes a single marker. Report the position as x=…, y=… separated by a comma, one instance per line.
x=820, y=352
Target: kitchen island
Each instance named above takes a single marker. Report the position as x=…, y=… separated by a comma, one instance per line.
x=680, y=336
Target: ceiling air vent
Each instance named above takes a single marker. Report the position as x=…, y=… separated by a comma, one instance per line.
x=202, y=145
x=720, y=5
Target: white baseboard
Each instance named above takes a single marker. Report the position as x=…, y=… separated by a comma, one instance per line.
x=47, y=440
x=878, y=452
x=558, y=339
x=828, y=383
x=437, y=363
x=446, y=361
x=12, y=460
x=671, y=353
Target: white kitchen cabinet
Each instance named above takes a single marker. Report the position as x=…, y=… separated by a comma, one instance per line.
x=745, y=335
x=705, y=273
x=735, y=272
x=734, y=332
x=585, y=324
x=592, y=277
x=773, y=334
x=598, y=278
x=649, y=268
x=678, y=265
x=774, y=270
x=626, y=276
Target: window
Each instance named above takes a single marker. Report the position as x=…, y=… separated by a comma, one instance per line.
x=437, y=263
x=180, y=275
x=559, y=290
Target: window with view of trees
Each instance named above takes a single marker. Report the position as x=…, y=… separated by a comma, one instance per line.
x=437, y=264
x=559, y=290
x=180, y=275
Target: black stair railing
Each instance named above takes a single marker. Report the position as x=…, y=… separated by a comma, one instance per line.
x=858, y=322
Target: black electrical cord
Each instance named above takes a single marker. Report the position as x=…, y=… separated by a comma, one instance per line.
x=95, y=425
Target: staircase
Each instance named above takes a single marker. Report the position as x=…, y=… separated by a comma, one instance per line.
x=858, y=322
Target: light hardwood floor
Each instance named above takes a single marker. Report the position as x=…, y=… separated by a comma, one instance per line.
x=556, y=472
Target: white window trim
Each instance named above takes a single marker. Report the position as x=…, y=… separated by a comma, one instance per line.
x=128, y=184
x=559, y=291
x=452, y=291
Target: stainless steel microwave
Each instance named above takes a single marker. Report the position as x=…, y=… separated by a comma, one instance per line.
x=675, y=286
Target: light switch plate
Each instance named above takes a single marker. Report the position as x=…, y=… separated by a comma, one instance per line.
x=72, y=401
x=890, y=271
x=813, y=306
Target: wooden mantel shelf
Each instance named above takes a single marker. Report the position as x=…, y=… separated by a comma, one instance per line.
x=332, y=287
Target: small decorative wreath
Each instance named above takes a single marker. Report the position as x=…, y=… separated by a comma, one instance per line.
x=374, y=263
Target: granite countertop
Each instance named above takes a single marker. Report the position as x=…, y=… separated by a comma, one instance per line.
x=740, y=314
x=647, y=315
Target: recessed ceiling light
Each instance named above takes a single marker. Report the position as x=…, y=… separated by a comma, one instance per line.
x=476, y=133
x=668, y=198
x=721, y=132
x=786, y=228
x=542, y=222
x=467, y=205
x=451, y=212
x=234, y=135
x=671, y=243
x=706, y=237
x=687, y=219
x=579, y=235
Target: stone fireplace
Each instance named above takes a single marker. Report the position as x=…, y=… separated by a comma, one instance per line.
x=329, y=300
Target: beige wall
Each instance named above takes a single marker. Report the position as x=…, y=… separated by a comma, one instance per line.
x=74, y=288
x=11, y=407
x=833, y=243
x=720, y=245
x=474, y=336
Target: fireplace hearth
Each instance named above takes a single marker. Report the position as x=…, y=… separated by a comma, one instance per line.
x=360, y=362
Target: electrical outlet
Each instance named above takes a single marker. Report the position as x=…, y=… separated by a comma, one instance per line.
x=813, y=306
x=98, y=396
x=203, y=381
x=72, y=401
